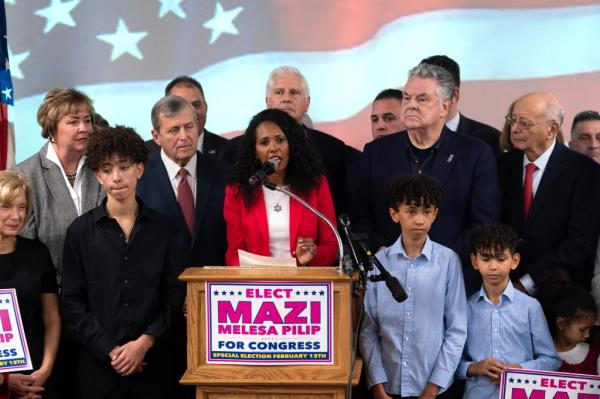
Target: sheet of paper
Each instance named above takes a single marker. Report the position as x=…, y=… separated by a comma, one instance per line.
x=248, y=259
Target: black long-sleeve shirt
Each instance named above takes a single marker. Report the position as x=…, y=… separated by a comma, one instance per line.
x=115, y=290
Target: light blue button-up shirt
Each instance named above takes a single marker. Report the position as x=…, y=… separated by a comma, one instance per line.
x=514, y=331
x=406, y=345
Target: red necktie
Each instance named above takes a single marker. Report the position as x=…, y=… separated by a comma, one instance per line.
x=186, y=199
x=528, y=187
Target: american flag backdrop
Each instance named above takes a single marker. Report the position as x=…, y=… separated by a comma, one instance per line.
x=123, y=52
x=6, y=98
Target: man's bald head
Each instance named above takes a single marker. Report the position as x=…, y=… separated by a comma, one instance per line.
x=535, y=120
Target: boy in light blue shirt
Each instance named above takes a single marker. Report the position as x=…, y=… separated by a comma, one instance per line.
x=411, y=349
x=506, y=328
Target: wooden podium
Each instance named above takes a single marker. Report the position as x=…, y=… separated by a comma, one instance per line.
x=214, y=381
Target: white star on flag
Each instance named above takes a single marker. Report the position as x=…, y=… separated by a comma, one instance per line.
x=58, y=13
x=222, y=22
x=7, y=93
x=123, y=41
x=174, y=6
x=15, y=63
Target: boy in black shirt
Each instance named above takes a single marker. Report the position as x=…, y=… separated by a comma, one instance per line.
x=119, y=287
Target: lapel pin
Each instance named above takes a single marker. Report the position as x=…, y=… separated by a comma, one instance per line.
x=450, y=158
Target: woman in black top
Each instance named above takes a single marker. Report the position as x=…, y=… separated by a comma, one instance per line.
x=26, y=266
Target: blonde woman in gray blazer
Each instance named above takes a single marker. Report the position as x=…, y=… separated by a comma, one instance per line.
x=63, y=187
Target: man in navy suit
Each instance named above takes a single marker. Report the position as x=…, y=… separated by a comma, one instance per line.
x=550, y=195
x=464, y=167
x=175, y=130
x=456, y=121
x=209, y=144
x=189, y=188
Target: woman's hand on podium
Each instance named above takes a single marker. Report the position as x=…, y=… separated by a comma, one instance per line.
x=306, y=249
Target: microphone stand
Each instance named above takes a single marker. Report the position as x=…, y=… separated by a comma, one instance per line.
x=358, y=292
x=273, y=187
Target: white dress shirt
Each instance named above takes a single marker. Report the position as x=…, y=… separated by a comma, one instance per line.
x=75, y=189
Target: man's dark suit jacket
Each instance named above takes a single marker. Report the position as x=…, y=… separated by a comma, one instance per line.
x=466, y=171
x=485, y=133
x=208, y=243
x=332, y=152
x=213, y=145
x=561, y=229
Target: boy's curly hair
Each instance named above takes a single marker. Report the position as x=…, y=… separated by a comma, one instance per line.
x=414, y=190
x=119, y=140
x=493, y=238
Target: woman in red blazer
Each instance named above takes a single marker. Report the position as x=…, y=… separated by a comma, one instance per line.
x=267, y=222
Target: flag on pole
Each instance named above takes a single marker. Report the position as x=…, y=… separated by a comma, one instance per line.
x=6, y=97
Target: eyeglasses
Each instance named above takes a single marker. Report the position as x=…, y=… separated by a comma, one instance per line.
x=523, y=123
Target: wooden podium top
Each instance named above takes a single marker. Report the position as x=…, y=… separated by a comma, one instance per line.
x=232, y=273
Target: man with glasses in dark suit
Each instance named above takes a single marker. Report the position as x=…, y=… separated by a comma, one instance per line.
x=550, y=195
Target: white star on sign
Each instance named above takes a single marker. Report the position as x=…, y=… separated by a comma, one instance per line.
x=7, y=93
x=58, y=13
x=123, y=41
x=174, y=6
x=222, y=22
x=15, y=62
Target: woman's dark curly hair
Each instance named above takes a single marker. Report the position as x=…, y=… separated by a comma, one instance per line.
x=303, y=169
x=119, y=140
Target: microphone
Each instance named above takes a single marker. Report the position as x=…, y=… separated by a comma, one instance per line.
x=391, y=282
x=266, y=169
x=396, y=289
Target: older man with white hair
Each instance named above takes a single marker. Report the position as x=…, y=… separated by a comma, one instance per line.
x=464, y=166
x=550, y=195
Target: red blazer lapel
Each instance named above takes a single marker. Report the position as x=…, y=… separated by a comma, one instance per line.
x=296, y=214
x=259, y=238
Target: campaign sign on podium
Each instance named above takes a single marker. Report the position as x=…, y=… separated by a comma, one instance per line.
x=534, y=384
x=269, y=323
x=14, y=355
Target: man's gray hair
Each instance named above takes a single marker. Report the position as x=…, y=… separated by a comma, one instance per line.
x=555, y=112
x=287, y=70
x=169, y=106
x=446, y=83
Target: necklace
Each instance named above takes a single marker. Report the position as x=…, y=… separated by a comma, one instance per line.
x=71, y=176
x=272, y=197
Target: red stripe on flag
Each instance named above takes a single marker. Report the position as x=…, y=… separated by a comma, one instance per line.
x=3, y=136
x=317, y=25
